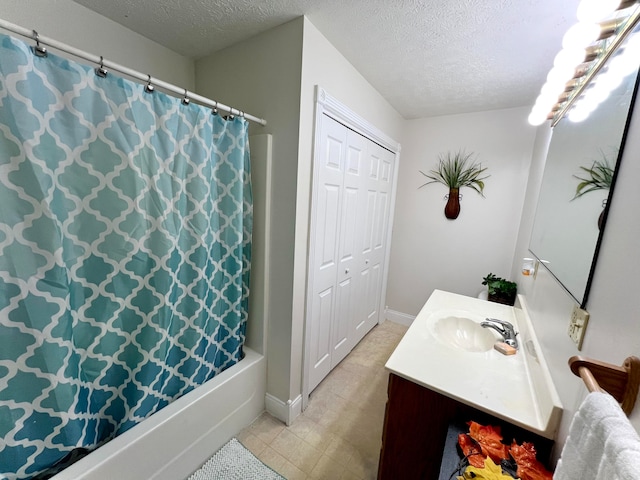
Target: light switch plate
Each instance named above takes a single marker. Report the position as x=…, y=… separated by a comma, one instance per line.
x=578, y=325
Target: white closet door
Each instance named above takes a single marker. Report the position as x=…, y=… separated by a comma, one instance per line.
x=352, y=188
x=326, y=256
x=379, y=167
x=349, y=247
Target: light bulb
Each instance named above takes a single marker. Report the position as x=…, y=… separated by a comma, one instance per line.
x=590, y=11
x=569, y=57
x=542, y=103
x=552, y=90
x=581, y=35
x=554, y=86
x=561, y=75
x=545, y=102
x=537, y=118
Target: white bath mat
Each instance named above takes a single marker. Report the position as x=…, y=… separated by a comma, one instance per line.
x=234, y=462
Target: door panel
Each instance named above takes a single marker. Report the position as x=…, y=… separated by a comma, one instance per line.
x=374, y=236
x=320, y=351
x=387, y=170
x=329, y=203
x=382, y=203
x=326, y=255
x=349, y=246
x=341, y=341
x=373, y=296
x=348, y=226
x=368, y=215
x=323, y=320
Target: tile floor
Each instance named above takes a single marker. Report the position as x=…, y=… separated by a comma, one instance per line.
x=339, y=435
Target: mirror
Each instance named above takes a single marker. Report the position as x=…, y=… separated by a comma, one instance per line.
x=566, y=232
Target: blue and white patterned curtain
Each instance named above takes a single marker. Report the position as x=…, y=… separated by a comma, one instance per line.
x=125, y=225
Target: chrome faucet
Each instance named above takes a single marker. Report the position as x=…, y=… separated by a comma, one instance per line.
x=504, y=328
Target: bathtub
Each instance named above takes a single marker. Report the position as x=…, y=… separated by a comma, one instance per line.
x=178, y=439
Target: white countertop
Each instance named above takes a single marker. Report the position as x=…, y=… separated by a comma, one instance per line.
x=516, y=388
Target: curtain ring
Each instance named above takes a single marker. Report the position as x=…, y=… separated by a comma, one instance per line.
x=39, y=50
x=185, y=100
x=231, y=116
x=215, y=108
x=101, y=71
x=148, y=87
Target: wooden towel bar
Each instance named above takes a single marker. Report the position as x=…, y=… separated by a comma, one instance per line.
x=621, y=382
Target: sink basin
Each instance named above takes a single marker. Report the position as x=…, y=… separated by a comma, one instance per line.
x=463, y=333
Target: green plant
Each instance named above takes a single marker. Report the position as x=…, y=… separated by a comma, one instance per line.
x=500, y=290
x=456, y=170
x=599, y=177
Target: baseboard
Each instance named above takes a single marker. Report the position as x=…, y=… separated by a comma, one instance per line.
x=286, y=412
x=399, y=317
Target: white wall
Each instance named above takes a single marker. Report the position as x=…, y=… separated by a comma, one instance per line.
x=75, y=25
x=262, y=76
x=273, y=75
x=428, y=250
x=325, y=66
x=613, y=332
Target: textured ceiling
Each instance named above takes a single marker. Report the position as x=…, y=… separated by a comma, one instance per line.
x=426, y=57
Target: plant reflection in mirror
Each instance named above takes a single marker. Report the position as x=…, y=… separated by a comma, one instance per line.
x=599, y=176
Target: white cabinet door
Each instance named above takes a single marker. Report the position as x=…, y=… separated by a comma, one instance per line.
x=352, y=188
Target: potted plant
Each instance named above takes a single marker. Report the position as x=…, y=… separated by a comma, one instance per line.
x=500, y=290
x=598, y=177
x=457, y=170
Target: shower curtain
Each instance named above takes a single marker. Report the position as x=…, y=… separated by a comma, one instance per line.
x=125, y=226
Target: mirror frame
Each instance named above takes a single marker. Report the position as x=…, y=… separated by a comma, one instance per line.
x=598, y=245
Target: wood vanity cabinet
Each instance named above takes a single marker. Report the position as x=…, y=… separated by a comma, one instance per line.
x=415, y=429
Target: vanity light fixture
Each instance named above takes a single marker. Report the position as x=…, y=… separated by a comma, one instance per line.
x=570, y=87
x=594, y=10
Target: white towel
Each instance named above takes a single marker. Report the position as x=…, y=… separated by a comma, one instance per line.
x=602, y=444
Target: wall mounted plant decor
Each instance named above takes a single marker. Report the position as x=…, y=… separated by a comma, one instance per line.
x=457, y=170
x=598, y=177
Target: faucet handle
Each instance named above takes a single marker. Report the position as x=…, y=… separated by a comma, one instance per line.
x=501, y=322
x=507, y=325
x=505, y=328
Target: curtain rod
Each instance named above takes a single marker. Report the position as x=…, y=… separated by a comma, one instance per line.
x=142, y=77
